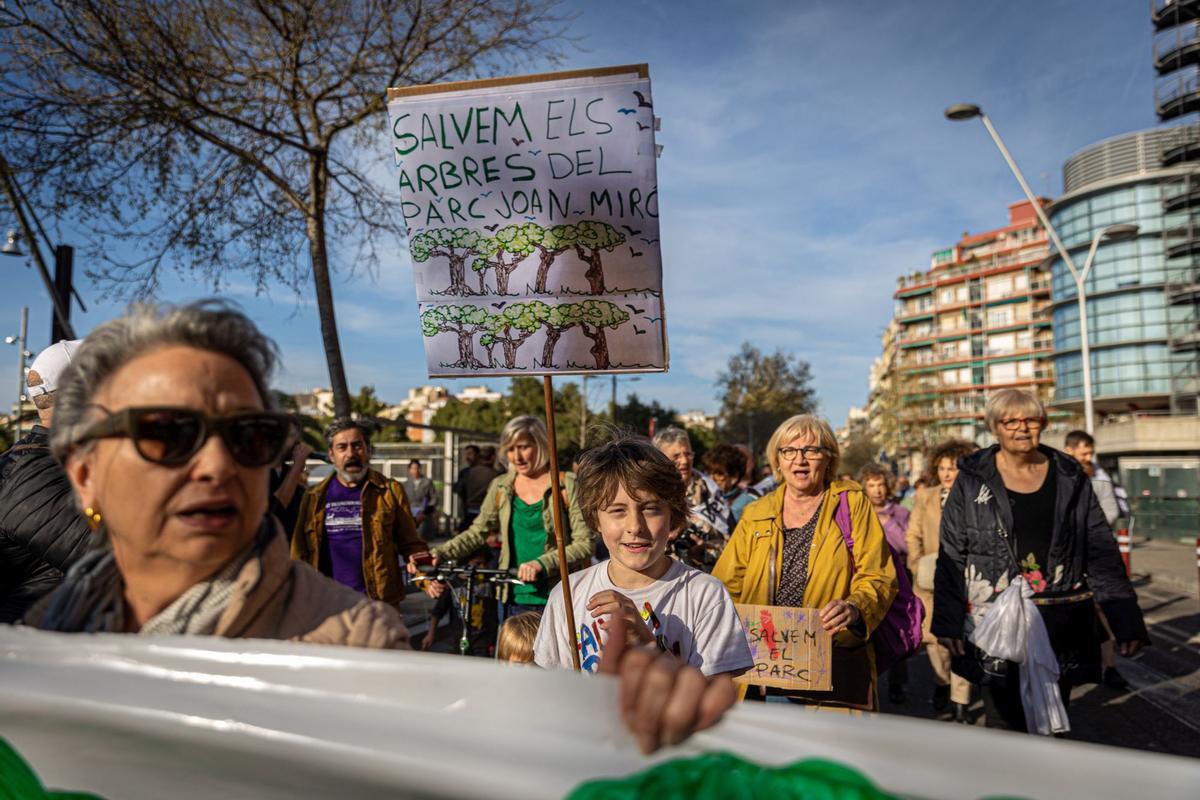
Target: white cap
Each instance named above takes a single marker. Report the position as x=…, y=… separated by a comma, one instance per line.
x=50, y=365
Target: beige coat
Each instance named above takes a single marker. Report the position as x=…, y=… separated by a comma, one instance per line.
x=923, y=539
x=278, y=598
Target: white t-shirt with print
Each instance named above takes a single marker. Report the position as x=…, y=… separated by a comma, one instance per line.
x=690, y=613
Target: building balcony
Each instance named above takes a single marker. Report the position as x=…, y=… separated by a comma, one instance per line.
x=1185, y=337
x=1180, y=145
x=1143, y=433
x=1167, y=13
x=1177, y=94
x=1176, y=47
x=1183, y=287
x=1182, y=241
x=1180, y=195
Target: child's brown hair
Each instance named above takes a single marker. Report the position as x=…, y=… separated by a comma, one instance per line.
x=636, y=464
x=516, y=637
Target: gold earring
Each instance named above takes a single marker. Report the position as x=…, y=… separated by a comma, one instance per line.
x=93, y=518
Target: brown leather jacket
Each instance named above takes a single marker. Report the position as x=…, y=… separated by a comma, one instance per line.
x=389, y=534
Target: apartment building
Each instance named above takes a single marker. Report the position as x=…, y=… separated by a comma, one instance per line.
x=978, y=319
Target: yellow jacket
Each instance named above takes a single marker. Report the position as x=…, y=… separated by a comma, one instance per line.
x=753, y=559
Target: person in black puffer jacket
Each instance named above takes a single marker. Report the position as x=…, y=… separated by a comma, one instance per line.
x=1020, y=507
x=42, y=531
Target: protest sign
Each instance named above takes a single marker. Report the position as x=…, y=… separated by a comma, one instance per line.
x=790, y=648
x=531, y=205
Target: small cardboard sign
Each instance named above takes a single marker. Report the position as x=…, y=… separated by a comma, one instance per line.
x=790, y=648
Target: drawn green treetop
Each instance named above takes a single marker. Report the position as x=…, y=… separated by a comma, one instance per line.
x=517, y=323
x=511, y=328
x=463, y=321
x=592, y=317
x=504, y=252
x=589, y=238
x=456, y=245
x=511, y=246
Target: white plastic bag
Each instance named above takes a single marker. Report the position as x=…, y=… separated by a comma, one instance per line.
x=1013, y=629
x=1003, y=631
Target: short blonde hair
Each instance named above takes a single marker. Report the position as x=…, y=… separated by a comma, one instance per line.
x=1012, y=401
x=535, y=429
x=517, y=635
x=804, y=425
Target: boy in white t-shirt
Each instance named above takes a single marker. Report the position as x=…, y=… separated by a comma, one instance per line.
x=633, y=496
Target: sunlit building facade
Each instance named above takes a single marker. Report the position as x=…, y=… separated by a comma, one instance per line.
x=977, y=320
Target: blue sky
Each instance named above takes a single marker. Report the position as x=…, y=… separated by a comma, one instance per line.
x=806, y=164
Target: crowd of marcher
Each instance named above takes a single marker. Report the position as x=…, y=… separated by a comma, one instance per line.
x=161, y=493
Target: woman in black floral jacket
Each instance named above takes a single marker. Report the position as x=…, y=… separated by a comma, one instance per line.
x=1020, y=507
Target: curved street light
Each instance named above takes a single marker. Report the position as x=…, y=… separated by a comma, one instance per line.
x=965, y=111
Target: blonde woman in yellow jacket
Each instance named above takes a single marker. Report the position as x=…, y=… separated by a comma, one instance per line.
x=788, y=551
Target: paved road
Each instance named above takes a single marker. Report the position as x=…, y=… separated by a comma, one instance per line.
x=1162, y=710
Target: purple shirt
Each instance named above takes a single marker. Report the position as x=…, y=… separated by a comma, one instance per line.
x=896, y=526
x=343, y=532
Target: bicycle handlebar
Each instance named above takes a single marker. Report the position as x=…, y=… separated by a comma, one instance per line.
x=450, y=569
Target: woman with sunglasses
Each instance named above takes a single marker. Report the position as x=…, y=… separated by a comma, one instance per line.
x=788, y=550
x=164, y=426
x=1019, y=508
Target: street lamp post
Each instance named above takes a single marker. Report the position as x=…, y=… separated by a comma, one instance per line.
x=60, y=297
x=965, y=111
x=612, y=403
x=23, y=353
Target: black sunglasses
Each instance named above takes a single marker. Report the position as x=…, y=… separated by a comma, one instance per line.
x=171, y=436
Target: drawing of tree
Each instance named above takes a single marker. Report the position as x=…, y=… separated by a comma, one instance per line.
x=589, y=238
x=454, y=244
x=550, y=245
x=557, y=321
x=594, y=316
x=513, y=241
x=511, y=328
x=464, y=322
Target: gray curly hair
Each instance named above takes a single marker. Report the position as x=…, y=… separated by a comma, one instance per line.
x=213, y=325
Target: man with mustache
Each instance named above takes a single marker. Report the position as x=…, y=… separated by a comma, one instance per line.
x=356, y=525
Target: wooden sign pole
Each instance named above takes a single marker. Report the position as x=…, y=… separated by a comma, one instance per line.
x=556, y=494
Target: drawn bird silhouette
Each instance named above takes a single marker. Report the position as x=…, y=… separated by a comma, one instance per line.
x=634, y=253
x=632, y=232
x=652, y=320
x=642, y=101
x=438, y=199
x=498, y=306
x=518, y=142
x=634, y=309
x=649, y=241
x=492, y=228
x=488, y=193
x=637, y=331
x=642, y=127
x=531, y=219
x=626, y=110
x=535, y=152
x=577, y=213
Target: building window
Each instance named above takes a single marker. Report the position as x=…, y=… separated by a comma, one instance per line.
x=998, y=317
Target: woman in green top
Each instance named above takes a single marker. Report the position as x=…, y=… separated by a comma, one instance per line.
x=517, y=505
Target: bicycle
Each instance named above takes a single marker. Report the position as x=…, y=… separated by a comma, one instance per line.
x=464, y=580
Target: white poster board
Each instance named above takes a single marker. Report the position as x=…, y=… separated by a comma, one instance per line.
x=531, y=205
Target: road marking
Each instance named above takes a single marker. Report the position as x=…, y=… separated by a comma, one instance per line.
x=1163, y=692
